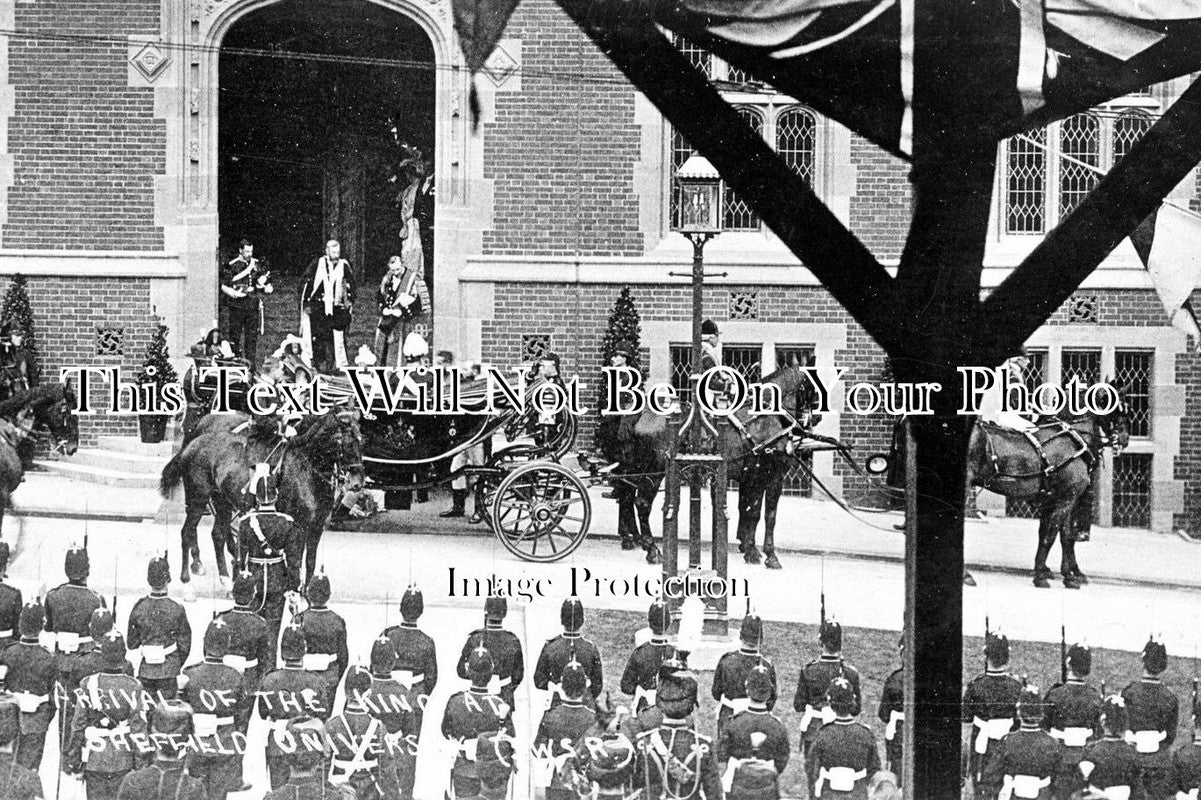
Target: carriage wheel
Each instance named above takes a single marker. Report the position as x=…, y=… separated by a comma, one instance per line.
x=541, y=512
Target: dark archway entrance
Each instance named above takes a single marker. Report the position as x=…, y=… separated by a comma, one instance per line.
x=310, y=91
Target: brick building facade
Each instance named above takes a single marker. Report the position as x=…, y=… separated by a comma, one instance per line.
x=110, y=160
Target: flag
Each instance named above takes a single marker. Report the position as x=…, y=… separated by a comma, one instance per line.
x=1169, y=244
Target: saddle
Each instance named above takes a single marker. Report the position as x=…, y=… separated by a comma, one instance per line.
x=1058, y=429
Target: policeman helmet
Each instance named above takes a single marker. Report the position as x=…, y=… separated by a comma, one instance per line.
x=830, y=636
x=383, y=656
x=308, y=735
x=996, y=649
x=751, y=632
x=759, y=684
x=494, y=763
x=100, y=623
x=841, y=696
x=573, y=680
x=1030, y=705
x=1155, y=657
x=266, y=488
x=158, y=572
x=76, y=564
x=244, y=588
x=709, y=328
x=412, y=604
x=610, y=761
x=1080, y=659
x=10, y=715
x=112, y=650
x=4, y=555
x=318, y=590
x=495, y=609
x=216, y=639
x=1114, y=718
x=677, y=694
x=173, y=718
x=658, y=617
x=480, y=665
x=292, y=645
x=571, y=614
x=33, y=621
x=358, y=683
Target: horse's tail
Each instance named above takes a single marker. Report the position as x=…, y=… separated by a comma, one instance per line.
x=173, y=474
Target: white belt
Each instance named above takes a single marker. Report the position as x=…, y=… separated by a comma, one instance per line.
x=29, y=703
x=991, y=729
x=6, y=634
x=266, y=562
x=318, y=662
x=468, y=748
x=207, y=724
x=825, y=714
x=1123, y=793
x=407, y=678
x=727, y=778
x=650, y=695
x=240, y=663
x=96, y=736
x=894, y=719
x=1027, y=787
x=737, y=705
x=156, y=653
x=841, y=779
x=67, y=642
x=554, y=690
x=495, y=684
x=1146, y=741
x=1072, y=737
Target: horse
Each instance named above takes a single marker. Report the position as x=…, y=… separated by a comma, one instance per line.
x=1056, y=473
x=215, y=466
x=50, y=406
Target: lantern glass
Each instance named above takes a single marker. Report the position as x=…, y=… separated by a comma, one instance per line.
x=700, y=196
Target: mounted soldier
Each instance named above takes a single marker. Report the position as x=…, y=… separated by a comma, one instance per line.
x=569, y=646
x=1153, y=712
x=286, y=693
x=1073, y=709
x=160, y=631
x=504, y=650
x=1028, y=760
x=417, y=657
x=169, y=726
x=990, y=707
x=641, y=674
x=325, y=634
x=10, y=603
x=730, y=677
x=30, y=675
x=844, y=752
x=753, y=745
x=217, y=695
x=357, y=741
x=271, y=549
x=811, y=700
x=470, y=717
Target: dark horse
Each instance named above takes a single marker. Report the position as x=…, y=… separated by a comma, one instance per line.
x=1056, y=473
x=49, y=406
x=755, y=447
x=215, y=465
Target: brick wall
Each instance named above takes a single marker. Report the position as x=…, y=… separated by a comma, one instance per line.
x=562, y=151
x=85, y=145
x=1188, y=464
x=881, y=204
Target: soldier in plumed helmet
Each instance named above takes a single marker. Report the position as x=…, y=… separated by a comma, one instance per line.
x=217, y=695
x=159, y=630
x=729, y=678
x=503, y=646
x=1153, y=713
x=1111, y=765
x=398, y=709
x=676, y=760
x=20, y=783
x=560, y=728
x=471, y=715
x=1186, y=761
x=325, y=635
x=652, y=716
x=251, y=652
x=30, y=674
x=990, y=707
x=565, y=648
x=844, y=753
x=417, y=657
x=754, y=743
x=304, y=763
x=286, y=693
x=1027, y=761
x=357, y=741
x=814, y=683
x=169, y=724
x=10, y=603
x=892, y=713
x=69, y=608
x=1072, y=712
x=92, y=663
x=271, y=549
x=641, y=674
x=606, y=767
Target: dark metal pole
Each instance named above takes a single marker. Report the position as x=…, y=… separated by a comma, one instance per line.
x=671, y=506
x=721, y=536
x=694, y=435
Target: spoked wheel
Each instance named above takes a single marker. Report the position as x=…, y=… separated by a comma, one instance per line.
x=541, y=512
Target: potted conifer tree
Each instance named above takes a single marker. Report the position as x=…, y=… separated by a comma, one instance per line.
x=157, y=370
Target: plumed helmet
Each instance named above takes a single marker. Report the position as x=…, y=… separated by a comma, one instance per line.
x=480, y=665
x=571, y=614
x=158, y=572
x=658, y=617
x=759, y=684
x=171, y=717
x=266, y=489
x=841, y=696
x=216, y=639
x=830, y=636
x=5, y=552
x=383, y=656
x=1155, y=657
x=33, y=621
x=292, y=645
x=100, y=623
x=1114, y=717
x=495, y=609
x=77, y=565
x=996, y=649
x=308, y=734
x=677, y=694
x=751, y=632
x=112, y=649
x=1080, y=659
x=244, y=588
x=412, y=604
x=574, y=680
x=494, y=763
x=358, y=682
x=709, y=328
x=610, y=761
x=318, y=590
x=1030, y=704
x=415, y=346
x=10, y=717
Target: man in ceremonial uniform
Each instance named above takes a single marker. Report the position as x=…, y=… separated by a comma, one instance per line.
x=357, y=741
x=416, y=656
x=16, y=782
x=641, y=674
x=286, y=693
x=814, y=683
x=503, y=647
x=652, y=716
x=169, y=724
x=217, y=695
x=676, y=760
x=990, y=707
x=753, y=743
x=325, y=634
x=606, y=767
x=303, y=766
x=1072, y=712
x=892, y=713
x=243, y=283
x=329, y=297
x=1111, y=763
x=729, y=679
x=272, y=550
x=844, y=753
x=471, y=715
x=1153, y=713
x=69, y=608
x=108, y=714
x=31, y=676
x=567, y=647
x=560, y=730
x=494, y=765
x=250, y=648
x=10, y=603
x=1028, y=760
x=159, y=629
x=92, y=662
x=1186, y=761
x=399, y=709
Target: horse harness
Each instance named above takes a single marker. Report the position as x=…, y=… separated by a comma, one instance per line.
x=1048, y=468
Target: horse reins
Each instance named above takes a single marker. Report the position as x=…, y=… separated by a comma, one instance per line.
x=1049, y=469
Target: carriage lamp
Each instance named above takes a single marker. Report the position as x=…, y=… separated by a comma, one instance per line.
x=700, y=197
x=877, y=464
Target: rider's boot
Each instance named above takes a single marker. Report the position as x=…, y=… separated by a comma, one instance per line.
x=477, y=507
x=423, y=495
x=458, y=504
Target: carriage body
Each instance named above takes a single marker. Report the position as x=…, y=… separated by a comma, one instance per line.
x=200, y=390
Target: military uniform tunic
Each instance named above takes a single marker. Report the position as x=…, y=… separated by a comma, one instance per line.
x=416, y=661
x=22, y=782
x=1029, y=759
x=990, y=706
x=1072, y=715
x=1153, y=713
x=735, y=743
x=842, y=759
x=556, y=654
x=892, y=713
x=308, y=787
x=10, y=614
x=108, y=713
x=327, y=655
x=250, y=652
x=32, y=675
x=217, y=694
x=675, y=759
x=69, y=610
x=285, y=694
x=508, y=663
x=399, y=709
x=357, y=740
x=641, y=676
x=810, y=699
x=560, y=729
x=469, y=715
x=159, y=627
x=273, y=550
x=1115, y=763
x=1186, y=767
x=729, y=686
x=161, y=781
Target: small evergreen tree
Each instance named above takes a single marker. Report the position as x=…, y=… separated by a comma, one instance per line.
x=625, y=325
x=18, y=311
x=156, y=366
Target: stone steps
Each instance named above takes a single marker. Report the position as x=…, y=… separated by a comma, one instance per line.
x=122, y=461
